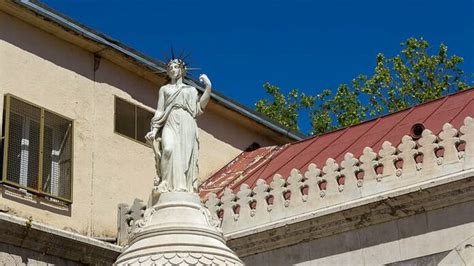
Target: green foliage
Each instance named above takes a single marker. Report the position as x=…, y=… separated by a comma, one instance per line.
x=283, y=108
x=29, y=222
x=411, y=77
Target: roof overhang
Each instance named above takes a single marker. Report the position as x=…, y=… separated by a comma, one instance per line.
x=101, y=45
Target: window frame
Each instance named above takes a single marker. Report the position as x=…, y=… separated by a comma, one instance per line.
x=135, y=120
x=6, y=124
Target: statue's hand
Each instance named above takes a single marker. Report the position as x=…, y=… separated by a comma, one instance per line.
x=204, y=79
x=150, y=136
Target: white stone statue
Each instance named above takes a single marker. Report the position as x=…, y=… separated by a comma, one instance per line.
x=174, y=132
x=177, y=229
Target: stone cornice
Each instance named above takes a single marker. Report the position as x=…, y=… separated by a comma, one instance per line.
x=38, y=237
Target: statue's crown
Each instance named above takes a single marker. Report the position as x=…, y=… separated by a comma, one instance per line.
x=178, y=61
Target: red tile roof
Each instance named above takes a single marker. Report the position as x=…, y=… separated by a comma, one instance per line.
x=265, y=162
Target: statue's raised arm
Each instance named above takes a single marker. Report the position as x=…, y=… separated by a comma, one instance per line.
x=207, y=91
x=174, y=132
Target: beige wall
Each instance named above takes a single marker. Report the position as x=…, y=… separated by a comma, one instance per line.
x=108, y=168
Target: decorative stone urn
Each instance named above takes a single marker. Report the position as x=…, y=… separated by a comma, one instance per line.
x=177, y=230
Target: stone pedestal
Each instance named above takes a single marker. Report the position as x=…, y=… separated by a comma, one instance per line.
x=177, y=230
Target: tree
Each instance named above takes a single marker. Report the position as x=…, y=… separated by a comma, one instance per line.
x=411, y=77
x=283, y=108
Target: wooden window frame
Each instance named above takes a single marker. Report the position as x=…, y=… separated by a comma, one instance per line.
x=135, y=120
x=6, y=123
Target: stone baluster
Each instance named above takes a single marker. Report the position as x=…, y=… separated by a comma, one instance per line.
x=136, y=213
x=244, y=199
x=369, y=161
x=448, y=142
x=468, y=138
x=228, y=204
x=349, y=169
x=278, y=191
x=261, y=194
x=331, y=174
x=123, y=224
x=428, y=147
x=213, y=205
x=387, y=159
x=295, y=185
x=407, y=153
x=312, y=176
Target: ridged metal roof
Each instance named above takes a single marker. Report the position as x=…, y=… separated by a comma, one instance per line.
x=265, y=162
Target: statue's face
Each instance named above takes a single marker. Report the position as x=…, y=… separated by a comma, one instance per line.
x=174, y=71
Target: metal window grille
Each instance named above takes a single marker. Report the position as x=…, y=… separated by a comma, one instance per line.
x=131, y=120
x=37, y=150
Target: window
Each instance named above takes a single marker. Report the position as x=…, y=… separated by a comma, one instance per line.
x=37, y=149
x=131, y=120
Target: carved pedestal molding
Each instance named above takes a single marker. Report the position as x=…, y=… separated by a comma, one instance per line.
x=177, y=230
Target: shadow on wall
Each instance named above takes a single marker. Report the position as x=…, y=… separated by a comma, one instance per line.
x=44, y=45
x=74, y=58
x=337, y=248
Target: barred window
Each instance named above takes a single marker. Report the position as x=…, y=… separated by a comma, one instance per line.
x=37, y=149
x=131, y=120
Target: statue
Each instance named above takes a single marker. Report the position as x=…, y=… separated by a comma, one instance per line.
x=174, y=132
x=177, y=228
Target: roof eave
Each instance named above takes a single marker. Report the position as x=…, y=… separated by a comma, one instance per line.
x=153, y=65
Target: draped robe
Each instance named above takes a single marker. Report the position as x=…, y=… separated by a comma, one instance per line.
x=176, y=146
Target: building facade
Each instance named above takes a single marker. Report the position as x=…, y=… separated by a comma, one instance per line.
x=76, y=107
x=76, y=172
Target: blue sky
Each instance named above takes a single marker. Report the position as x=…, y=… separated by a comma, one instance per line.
x=310, y=45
